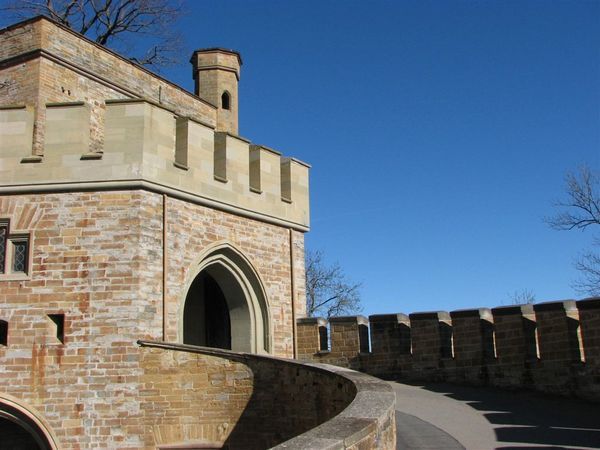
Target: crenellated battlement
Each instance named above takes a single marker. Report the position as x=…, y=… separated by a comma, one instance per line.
x=551, y=347
x=75, y=115
x=144, y=143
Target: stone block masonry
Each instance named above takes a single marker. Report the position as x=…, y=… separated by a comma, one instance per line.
x=551, y=347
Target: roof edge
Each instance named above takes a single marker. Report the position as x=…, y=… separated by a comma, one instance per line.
x=219, y=49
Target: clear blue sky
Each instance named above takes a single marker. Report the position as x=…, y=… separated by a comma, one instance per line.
x=439, y=133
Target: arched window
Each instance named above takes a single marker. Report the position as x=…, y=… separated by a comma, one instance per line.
x=225, y=101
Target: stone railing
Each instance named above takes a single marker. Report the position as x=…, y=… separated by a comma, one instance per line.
x=210, y=398
x=145, y=145
x=550, y=347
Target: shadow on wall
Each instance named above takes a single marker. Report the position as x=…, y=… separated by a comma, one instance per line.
x=285, y=403
x=523, y=418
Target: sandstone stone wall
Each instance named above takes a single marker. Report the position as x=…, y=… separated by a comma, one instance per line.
x=97, y=258
x=88, y=264
x=551, y=347
x=254, y=402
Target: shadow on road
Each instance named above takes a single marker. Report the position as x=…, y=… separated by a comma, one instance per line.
x=523, y=417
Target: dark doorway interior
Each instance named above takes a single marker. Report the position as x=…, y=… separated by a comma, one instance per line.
x=15, y=437
x=206, y=319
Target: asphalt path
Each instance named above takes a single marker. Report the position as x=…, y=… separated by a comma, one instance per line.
x=444, y=416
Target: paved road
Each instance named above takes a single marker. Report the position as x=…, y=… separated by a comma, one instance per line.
x=444, y=416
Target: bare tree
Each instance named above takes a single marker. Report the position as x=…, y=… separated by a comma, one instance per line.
x=588, y=265
x=581, y=211
x=522, y=297
x=328, y=292
x=113, y=23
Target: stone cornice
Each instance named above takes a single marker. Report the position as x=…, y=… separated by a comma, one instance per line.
x=152, y=187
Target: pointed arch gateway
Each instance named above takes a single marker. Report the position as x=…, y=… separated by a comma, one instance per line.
x=225, y=305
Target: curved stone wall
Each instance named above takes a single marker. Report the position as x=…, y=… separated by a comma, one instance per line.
x=221, y=399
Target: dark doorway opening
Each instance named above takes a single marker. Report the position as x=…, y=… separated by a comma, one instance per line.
x=15, y=437
x=18, y=431
x=206, y=320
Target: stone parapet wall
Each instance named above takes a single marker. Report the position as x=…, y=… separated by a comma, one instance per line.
x=147, y=145
x=551, y=347
x=197, y=396
x=170, y=396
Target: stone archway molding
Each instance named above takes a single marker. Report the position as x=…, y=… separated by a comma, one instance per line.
x=30, y=419
x=223, y=260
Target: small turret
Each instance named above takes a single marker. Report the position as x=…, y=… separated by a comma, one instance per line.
x=217, y=73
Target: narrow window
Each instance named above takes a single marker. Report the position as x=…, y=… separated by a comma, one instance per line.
x=58, y=321
x=488, y=340
x=575, y=339
x=20, y=254
x=323, y=339
x=446, y=340
x=3, y=240
x=363, y=338
x=225, y=100
x=3, y=332
x=532, y=347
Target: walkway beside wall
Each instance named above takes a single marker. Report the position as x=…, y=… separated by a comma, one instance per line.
x=446, y=416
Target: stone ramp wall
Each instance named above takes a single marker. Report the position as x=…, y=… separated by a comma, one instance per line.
x=199, y=396
x=551, y=347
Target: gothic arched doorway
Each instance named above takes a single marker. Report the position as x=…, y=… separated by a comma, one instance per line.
x=206, y=318
x=225, y=305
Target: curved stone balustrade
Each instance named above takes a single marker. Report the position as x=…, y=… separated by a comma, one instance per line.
x=222, y=399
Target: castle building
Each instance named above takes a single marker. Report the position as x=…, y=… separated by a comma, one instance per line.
x=152, y=277
x=131, y=209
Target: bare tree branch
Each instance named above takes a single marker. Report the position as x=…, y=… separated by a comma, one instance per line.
x=588, y=265
x=581, y=211
x=583, y=205
x=328, y=292
x=522, y=297
x=115, y=23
